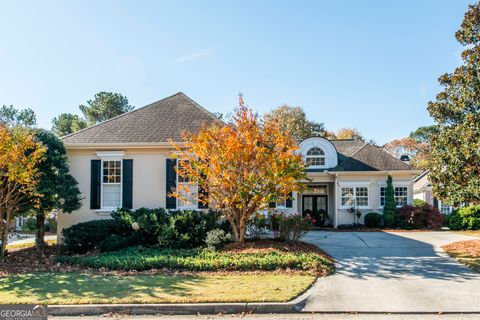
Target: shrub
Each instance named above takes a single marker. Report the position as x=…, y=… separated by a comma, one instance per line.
x=372, y=220
x=217, y=238
x=138, y=258
x=143, y=225
x=294, y=226
x=30, y=224
x=419, y=202
x=389, y=220
x=426, y=216
x=52, y=223
x=467, y=218
x=83, y=237
x=114, y=242
x=187, y=228
x=446, y=218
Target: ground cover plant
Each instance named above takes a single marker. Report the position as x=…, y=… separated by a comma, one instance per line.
x=269, y=258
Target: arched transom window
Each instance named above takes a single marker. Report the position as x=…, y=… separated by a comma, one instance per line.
x=315, y=157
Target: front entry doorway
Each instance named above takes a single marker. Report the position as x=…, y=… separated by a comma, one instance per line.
x=317, y=207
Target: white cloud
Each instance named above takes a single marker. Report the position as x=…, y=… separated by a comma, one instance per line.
x=193, y=56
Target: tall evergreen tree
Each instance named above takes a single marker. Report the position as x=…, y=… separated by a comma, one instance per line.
x=454, y=169
x=389, y=207
x=57, y=187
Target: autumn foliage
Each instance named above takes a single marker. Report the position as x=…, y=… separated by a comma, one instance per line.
x=19, y=156
x=242, y=166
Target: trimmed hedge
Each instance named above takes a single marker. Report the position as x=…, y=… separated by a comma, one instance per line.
x=85, y=236
x=467, y=218
x=181, y=229
x=137, y=258
x=372, y=220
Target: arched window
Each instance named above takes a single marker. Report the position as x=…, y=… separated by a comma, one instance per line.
x=315, y=157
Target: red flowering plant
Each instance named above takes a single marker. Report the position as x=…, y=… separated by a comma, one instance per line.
x=294, y=226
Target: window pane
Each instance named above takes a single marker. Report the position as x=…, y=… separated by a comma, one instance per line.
x=347, y=196
x=111, y=195
x=362, y=196
x=401, y=196
x=382, y=196
x=189, y=192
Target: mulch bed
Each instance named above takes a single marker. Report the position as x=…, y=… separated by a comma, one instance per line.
x=29, y=260
x=470, y=248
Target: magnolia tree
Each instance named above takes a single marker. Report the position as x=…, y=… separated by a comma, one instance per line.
x=240, y=167
x=19, y=156
x=454, y=169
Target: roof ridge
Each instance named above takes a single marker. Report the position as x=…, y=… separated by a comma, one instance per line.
x=123, y=114
x=198, y=106
x=351, y=156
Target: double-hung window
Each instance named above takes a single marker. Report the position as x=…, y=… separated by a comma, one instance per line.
x=400, y=194
x=354, y=195
x=188, y=191
x=111, y=184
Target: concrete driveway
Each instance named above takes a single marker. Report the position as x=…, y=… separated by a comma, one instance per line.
x=393, y=272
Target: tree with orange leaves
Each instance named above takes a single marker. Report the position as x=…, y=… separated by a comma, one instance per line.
x=242, y=166
x=19, y=156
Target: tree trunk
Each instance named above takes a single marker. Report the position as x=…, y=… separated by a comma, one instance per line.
x=4, y=220
x=40, y=233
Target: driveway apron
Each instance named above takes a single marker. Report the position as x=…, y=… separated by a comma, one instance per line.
x=393, y=272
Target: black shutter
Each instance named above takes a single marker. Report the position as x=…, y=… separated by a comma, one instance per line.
x=204, y=196
x=95, y=182
x=171, y=202
x=289, y=201
x=127, y=184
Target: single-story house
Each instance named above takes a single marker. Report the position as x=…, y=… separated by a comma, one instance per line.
x=422, y=189
x=126, y=162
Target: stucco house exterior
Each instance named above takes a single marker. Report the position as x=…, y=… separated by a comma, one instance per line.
x=422, y=189
x=126, y=162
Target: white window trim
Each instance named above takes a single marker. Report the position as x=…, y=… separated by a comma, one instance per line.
x=354, y=185
x=330, y=153
x=191, y=207
x=401, y=184
x=110, y=156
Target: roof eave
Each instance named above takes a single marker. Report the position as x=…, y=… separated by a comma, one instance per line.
x=134, y=145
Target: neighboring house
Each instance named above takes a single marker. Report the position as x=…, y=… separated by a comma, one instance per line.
x=126, y=161
x=422, y=189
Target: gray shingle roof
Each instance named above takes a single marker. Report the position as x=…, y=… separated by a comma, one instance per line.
x=166, y=119
x=155, y=123
x=356, y=155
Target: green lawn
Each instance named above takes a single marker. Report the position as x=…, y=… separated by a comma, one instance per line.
x=29, y=245
x=82, y=288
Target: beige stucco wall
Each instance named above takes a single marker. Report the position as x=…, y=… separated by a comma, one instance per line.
x=374, y=182
x=149, y=188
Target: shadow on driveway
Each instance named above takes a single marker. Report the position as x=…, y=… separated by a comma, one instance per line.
x=393, y=272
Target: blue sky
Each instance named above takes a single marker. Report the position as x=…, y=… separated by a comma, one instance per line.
x=372, y=65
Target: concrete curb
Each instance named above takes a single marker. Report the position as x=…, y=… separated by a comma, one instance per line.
x=179, y=309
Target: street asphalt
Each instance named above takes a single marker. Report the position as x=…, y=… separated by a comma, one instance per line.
x=287, y=317
x=393, y=272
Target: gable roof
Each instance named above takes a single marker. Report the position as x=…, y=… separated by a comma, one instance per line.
x=354, y=155
x=158, y=122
